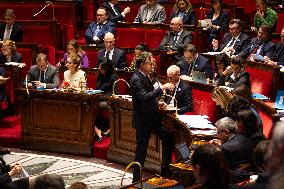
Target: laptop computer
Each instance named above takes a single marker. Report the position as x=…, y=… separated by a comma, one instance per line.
x=198, y=76
x=184, y=152
x=279, y=102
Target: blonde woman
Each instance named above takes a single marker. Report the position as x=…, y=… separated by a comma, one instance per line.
x=183, y=9
x=222, y=97
x=74, y=77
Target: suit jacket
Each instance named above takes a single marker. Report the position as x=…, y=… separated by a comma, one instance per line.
x=111, y=14
x=279, y=54
x=188, y=17
x=183, y=97
x=158, y=15
x=145, y=106
x=238, y=150
x=243, y=78
x=16, y=34
x=105, y=83
x=222, y=21
x=169, y=44
x=16, y=57
x=201, y=64
x=119, y=59
x=268, y=49
x=90, y=32
x=241, y=43
x=51, y=76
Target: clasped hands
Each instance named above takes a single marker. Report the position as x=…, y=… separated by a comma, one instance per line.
x=15, y=169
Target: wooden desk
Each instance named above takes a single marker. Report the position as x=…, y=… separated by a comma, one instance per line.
x=57, y=121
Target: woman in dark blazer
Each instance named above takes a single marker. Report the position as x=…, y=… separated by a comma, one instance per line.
x=184, y=10
x=219, y=19
x=105, y=81
x=8, y=54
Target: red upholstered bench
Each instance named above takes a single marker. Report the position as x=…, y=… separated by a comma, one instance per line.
x=129, y=37
x=203, y=104
x=261, y=78
x=153, y=37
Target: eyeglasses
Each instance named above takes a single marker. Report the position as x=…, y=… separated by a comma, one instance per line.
x=100, y=15
x=219, y=132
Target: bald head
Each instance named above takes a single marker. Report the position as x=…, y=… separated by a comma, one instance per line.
x=109, y=41
x=176, y=24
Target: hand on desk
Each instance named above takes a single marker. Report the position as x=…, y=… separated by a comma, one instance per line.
x=15, y=169
x=215, y=142
x=162, y=105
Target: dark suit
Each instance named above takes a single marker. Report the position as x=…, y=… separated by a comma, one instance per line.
x=16, y=57
x=51, y=76
x=105, y=83
x=268, y=49
x=146, y=119
x=238, y=150
x=201, y=64
x=183, y=97
x=91, y=31
x=16, y=34
x=242, y=79
x=6, y=180
x=111, y=14
x=222, y=21
x=279, y=54
x=168, y=43
x=241, y=43
x=158, y=15
x=188, y=17
x=119, y=59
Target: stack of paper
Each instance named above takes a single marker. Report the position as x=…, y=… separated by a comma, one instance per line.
x=196, y=121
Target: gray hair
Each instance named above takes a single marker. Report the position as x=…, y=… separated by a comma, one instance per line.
x=174, y=69
x=226, y=123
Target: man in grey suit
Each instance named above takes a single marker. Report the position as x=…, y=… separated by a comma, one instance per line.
x=43, y=74
x=176, y=38
x=117, y=56
x=151, y=13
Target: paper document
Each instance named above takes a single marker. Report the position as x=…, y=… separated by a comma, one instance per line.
x=212, y=53
x=196, y=121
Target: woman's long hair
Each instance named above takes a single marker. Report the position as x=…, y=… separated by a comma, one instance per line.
x=213, y=166
x=188, y=5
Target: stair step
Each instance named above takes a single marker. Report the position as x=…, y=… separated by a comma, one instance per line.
x=10, y=121
x=100, y=148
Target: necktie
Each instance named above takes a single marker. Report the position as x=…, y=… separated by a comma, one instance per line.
x=256, y=47
x=8, y=33
x=176, y=38
x=190, y=68
x=231, y=43
x=107, y=54
x=42, y=80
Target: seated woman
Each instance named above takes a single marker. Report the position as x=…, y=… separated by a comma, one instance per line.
x=105, y=81
x=222, y=62
x=137, y=52
x=219, y=20
x=183, y=9
x=265, y=15
x=73, y=47
x=222, y=97
x=8, y=54
x=247, y=125
x=210, y=168
x=74, y=78
x=235, y=75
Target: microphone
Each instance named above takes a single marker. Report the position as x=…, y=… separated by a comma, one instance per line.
x=47, y=4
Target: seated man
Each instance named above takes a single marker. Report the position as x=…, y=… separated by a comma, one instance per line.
x=235, y=75
x=151, y=13
x=113, y=9
x=278, y=57
x=233, y=42
x=260, y=45
x=117, y=56
x=43, y=74
x=182, y=92
x=97, y=30
x=176, y=38
x=194, y=62
x=236, y=148
x=10, y=29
